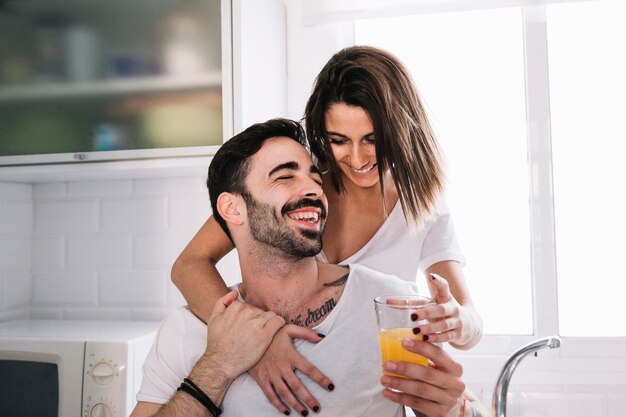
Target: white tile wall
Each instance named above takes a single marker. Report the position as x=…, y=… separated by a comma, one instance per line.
x=97, y=249
x=65, y=215
x=16, y=228
x=104, y=249
x=563, y=404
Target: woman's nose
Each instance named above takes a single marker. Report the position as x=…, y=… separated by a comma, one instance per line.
x=359, y=157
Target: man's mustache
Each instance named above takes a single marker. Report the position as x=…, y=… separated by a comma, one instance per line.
x=305, y=202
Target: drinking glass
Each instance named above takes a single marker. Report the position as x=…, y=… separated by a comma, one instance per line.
x=393, y=315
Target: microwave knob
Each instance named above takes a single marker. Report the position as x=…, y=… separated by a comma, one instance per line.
x=102, y=372
x=101, y=410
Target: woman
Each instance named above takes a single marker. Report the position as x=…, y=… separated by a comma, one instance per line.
x=383, y=176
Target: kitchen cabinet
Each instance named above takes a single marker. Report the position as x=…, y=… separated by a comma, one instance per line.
x=88, y=80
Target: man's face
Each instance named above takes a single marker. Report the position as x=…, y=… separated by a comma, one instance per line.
x=285, y=203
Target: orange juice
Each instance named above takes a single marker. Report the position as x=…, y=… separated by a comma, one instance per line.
x=392, y=349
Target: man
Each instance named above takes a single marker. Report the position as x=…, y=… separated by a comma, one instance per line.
x=266, y=194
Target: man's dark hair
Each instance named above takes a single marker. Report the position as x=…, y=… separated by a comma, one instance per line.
x=229, y=168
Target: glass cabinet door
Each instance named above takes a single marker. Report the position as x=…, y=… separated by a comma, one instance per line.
x=116, y=78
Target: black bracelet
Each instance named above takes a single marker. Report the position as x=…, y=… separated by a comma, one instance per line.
x=192, y=389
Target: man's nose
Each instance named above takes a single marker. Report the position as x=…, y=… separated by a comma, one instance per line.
x=311, y=188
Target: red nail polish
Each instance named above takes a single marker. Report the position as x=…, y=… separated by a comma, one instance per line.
x=425, y=338
x=316, y=408
x=414, y=317
x=416, y=330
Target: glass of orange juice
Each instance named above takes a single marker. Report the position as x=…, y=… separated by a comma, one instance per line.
x=393, y=314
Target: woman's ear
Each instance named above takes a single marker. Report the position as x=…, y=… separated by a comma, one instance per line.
x=231, y=208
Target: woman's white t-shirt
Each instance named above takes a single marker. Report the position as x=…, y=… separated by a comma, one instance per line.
x=402, y=250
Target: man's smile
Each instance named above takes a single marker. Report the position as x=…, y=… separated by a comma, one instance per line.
x=309, y=215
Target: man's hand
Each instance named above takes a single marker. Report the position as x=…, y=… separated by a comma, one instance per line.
x=238, y=335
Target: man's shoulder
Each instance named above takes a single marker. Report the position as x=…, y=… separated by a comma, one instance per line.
x=180, y=321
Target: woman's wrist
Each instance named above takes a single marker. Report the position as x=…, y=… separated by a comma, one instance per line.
x=473, y=329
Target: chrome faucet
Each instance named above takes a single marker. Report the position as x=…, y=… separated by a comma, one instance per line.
x=502, y=386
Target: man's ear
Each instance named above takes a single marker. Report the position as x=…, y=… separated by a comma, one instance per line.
x=231, y=208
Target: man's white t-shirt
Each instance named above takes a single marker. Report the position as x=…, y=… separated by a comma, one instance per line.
x=349, y=355
x=400, y=249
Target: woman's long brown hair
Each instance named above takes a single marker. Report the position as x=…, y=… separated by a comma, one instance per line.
x=376, y=81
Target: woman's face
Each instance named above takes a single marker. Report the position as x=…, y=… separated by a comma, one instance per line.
x=351, y=134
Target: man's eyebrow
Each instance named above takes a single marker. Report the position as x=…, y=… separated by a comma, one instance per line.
x=315, y=170
x=287, y=165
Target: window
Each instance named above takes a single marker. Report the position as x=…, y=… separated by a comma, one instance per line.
x=472, y=84
x=482, y=98
x=587, y=91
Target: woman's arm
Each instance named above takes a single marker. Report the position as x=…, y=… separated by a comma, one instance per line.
x=194, y=271
x=454, y=319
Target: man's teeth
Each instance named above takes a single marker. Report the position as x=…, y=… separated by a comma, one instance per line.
x=308, y=216
x=364, y=170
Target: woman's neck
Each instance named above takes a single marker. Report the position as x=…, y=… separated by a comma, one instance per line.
x=355, y=197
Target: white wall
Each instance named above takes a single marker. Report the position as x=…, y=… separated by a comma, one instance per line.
x=308, y=49
x=259, y=61
x=16, y=224
x=97, y=249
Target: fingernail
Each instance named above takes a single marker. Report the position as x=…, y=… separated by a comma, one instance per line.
x=304, y=413
x=425, y=338
x=331, y=387
x=316, y=408
x=321, y=335
x=286, y=412
x=414, y=317
x=390, y=366
x=416, y=330
x=433, y=276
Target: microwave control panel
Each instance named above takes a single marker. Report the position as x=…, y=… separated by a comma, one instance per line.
x=106, y=379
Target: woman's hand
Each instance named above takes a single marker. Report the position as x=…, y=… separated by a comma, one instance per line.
x=435, y=390
x=275, y=372
x=448, y=321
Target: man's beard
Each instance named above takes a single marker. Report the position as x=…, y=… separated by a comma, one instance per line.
x=268, y=228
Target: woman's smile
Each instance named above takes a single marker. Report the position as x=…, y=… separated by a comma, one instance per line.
x=351, y=134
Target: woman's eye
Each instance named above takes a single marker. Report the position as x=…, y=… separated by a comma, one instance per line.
x=336, y=141
x=285, y=177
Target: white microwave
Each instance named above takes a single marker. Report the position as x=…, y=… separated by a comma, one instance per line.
x=60, y=368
